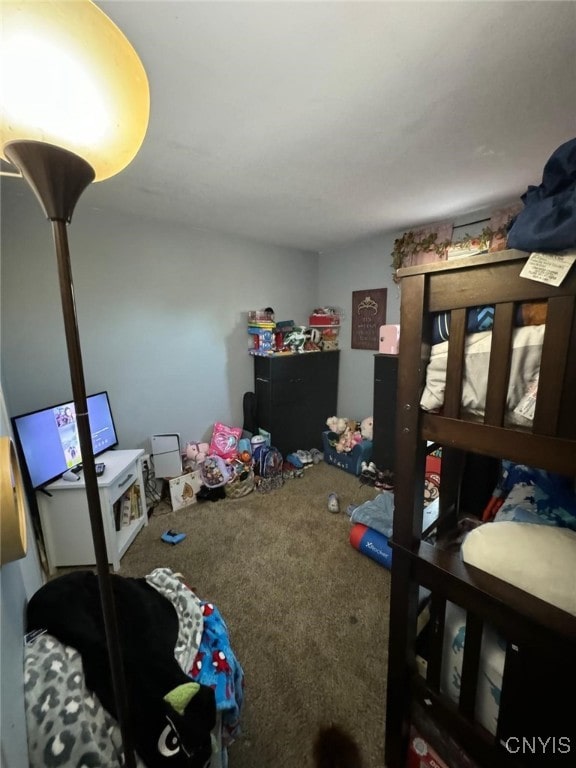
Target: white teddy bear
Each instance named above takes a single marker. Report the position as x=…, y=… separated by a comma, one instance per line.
x=367, y=428
x=336, y=424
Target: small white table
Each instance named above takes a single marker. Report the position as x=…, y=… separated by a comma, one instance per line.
x=65, y=519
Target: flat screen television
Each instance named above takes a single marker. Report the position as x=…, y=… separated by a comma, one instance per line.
x=48, y=439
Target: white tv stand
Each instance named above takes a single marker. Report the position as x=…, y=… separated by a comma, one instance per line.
x=65, y=518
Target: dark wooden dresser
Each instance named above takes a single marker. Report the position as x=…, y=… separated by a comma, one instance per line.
x=385, y=382
x=295, y=394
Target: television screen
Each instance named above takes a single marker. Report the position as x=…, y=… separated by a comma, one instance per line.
x=48, y=439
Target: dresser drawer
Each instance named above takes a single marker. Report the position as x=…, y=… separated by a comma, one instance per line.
x=122, y=483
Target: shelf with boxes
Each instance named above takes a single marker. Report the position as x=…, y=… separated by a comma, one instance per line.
x=270, y=337
x=127, y=508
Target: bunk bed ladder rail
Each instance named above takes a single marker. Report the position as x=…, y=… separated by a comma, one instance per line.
x=441, y=288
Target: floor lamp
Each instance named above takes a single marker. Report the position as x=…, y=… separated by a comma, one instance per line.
x=75, y=108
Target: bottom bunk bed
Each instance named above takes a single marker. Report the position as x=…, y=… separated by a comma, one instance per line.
x=530, y=541
x=490, y=679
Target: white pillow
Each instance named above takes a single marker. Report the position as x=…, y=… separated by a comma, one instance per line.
x=540, y=559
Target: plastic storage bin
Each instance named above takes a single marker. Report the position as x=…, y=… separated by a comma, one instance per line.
x=350, y=461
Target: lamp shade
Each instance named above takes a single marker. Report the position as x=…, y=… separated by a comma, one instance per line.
x=70, y=78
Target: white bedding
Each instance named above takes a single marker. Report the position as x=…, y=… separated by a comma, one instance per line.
x=524, y=370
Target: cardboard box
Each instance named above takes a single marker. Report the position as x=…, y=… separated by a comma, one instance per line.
x=183, y=489
x=324, y=319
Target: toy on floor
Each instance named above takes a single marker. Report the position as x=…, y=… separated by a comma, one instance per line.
x=215, y=471
x=348, y=433
x=371, y=543
x=333, y=503
x=172, y=537
x=336, y=424
x=349, y=438
x=197, y=452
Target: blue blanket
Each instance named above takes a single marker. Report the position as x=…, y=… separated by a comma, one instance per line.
x=536, y=496
x=378, y=513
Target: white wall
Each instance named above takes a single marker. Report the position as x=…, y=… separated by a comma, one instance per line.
x=364, y=265
x=18, y=582
x=161, y=312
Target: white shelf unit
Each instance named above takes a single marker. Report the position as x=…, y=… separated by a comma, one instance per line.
x=65, y=518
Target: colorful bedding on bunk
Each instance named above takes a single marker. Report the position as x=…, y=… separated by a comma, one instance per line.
x=482, y=319
x=536, y=496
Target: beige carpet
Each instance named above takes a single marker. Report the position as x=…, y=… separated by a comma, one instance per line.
x=307, y=614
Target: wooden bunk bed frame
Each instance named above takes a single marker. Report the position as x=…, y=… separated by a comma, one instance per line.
x=535, y=631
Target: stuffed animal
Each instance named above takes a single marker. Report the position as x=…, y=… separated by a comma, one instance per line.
x=336, y=424
x=346, y=441
x=367, y=428
x=197, y=452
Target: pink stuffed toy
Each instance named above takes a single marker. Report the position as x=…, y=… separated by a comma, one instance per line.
x=197, y=452
x=346, y=441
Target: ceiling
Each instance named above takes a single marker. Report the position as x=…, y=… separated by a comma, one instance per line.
x=315, y=124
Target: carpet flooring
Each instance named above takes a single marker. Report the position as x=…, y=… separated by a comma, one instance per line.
x=307, y=614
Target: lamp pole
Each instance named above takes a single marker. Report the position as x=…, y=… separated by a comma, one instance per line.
x=58, y=178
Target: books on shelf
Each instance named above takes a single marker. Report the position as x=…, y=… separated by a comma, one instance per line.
x=128, y=507
x=126, y=510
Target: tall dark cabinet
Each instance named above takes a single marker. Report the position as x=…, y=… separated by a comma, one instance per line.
x=385, y=382
x=295, y=394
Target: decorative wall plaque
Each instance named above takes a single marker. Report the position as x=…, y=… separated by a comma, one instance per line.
x=368, y=314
